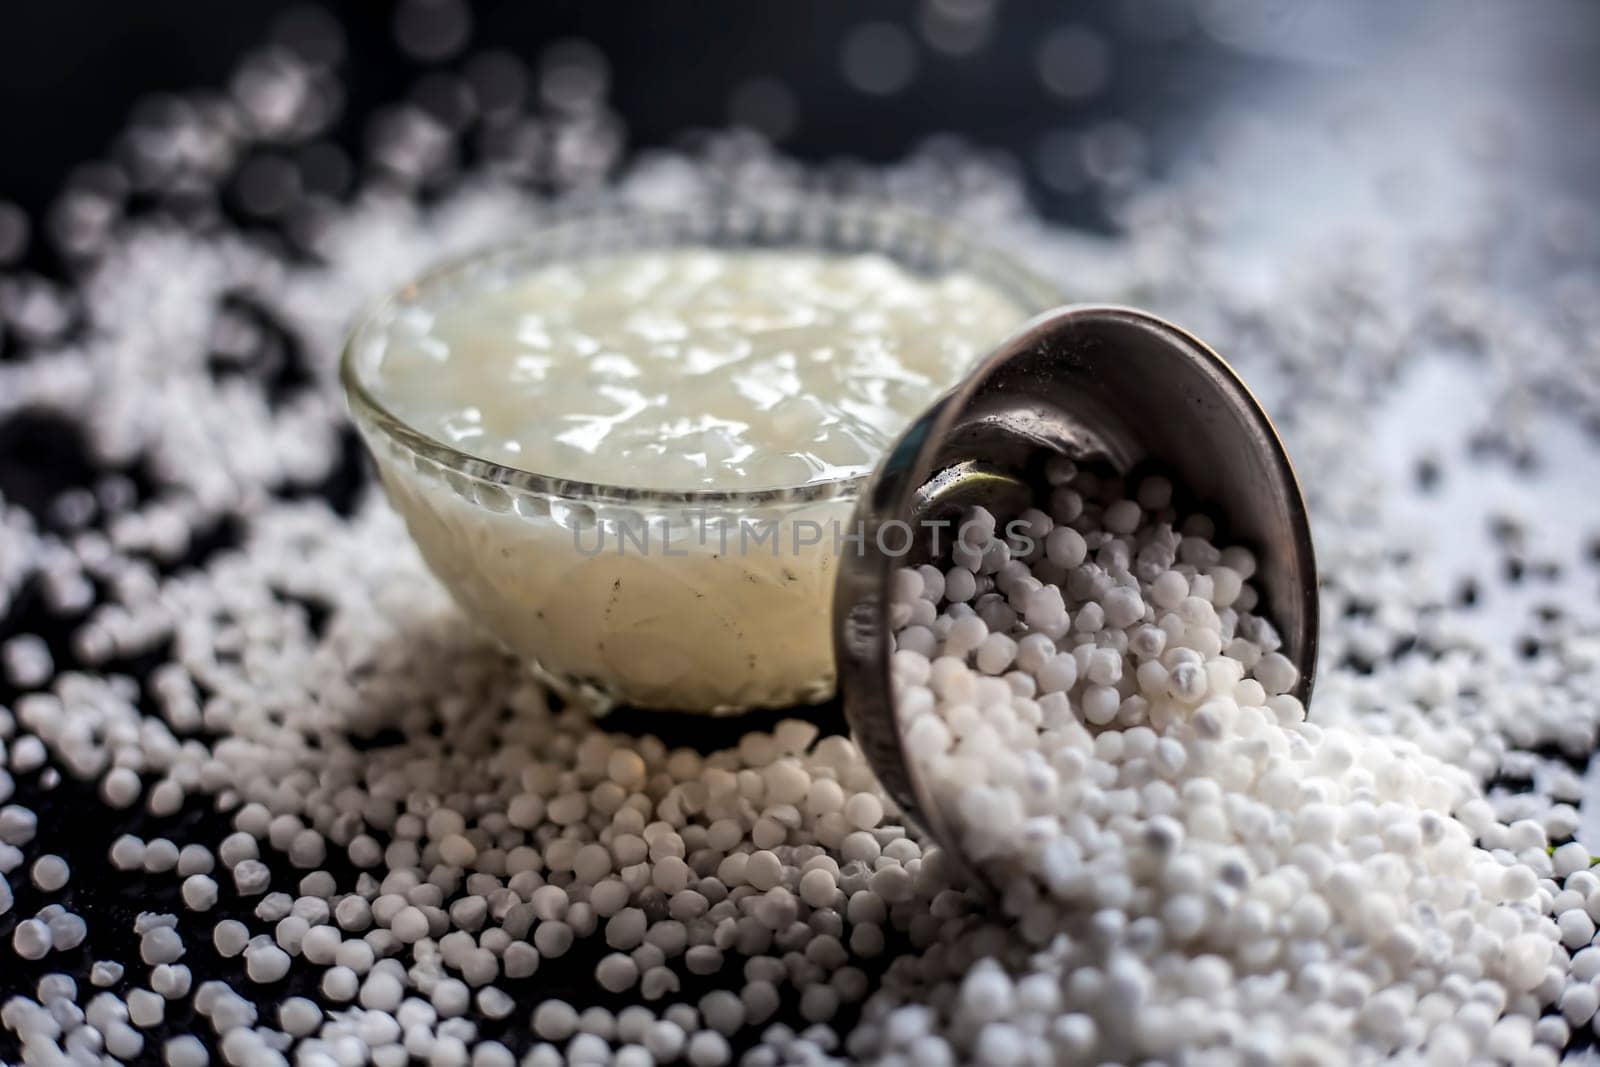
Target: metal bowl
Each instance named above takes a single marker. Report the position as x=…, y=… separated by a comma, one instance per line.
x=1108, y=383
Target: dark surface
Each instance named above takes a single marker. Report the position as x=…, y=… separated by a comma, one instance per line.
x=70, y=70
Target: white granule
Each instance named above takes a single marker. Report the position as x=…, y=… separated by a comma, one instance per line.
x=265, y=964
x=171, y=980
x=185, y=1051
x=160, y=856
x=251, y=877
x=50, y=873
x=105, y=973
x=31, y=939
x=146, y=1008
x=120, y=788
x=17, y=824
x=27, y=663
x=161, y=945
x=127, y=853
x=195, y=859
x=67, y=930
x=199, y=892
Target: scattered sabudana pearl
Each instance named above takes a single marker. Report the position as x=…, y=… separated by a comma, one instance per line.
x=707, y=1048
x=299, y=1016
x=195, y=859
x=199, y=892
x=50, y=873
x=28, y=754
x=122, y=1041
x=146, y=1008
x=161, y=944
x=555, y=1020
x=185, y=1051
x=17, y=824
x=409, y=925
x=31, y=939
x=236, y=848
x=57, y=987
x=520, y=960
x=265, y=964
x=27, y=661
x=120, y=788
x=127, y=853
x=251, y=877
x=230, y=937
x=381, y=992
x=451, y=998
x=67, y=931
x=105, y=973
x=494, y=1003
x=864, y=810
x=340, y=984
x=616, y=973
x=171, y=980
x=160, y=855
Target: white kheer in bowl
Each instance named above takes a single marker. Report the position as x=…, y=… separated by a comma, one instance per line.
x=630, y=447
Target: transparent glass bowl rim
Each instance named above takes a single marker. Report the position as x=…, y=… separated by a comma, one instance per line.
x=844, y=227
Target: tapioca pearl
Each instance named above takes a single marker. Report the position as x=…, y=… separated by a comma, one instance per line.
x=1198, y=613
x=1247, y=653
x=1059, y=674
x=1223, y=676
x=1034, y=651
x=1123, y=606
x=1100, y=704
x=933, y=582
x=1090, y=619
x=953, y=680
x=965, y=636
x=906, y=586
x=1275, y=673
x=1065, y=547
x=960, y=585
x=1122, y=517
x=1148, y=642
x=1104, y=667
x=918, y=639
x=996, y=653
x=1226, y=584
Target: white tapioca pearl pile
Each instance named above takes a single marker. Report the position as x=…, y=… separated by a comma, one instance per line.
x=775, y=870
x=1204, y=868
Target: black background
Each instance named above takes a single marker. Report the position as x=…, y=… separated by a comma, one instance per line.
x=70, y=69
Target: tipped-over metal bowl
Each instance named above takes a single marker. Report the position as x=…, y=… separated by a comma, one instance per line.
x=1108, y=383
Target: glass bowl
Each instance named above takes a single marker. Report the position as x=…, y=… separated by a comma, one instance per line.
x=704, y=600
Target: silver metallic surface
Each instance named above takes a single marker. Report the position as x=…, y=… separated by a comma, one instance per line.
x=1108, y=383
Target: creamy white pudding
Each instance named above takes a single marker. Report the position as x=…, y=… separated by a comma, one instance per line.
x=718, y=405
x=690, y=368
